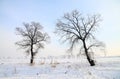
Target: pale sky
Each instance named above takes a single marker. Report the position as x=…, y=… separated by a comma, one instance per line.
x=14, y=12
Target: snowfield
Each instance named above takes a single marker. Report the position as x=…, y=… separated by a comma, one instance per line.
x=59, y=68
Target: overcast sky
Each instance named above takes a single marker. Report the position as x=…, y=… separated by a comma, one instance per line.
x=14, y=12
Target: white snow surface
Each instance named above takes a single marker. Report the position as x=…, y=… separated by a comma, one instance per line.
x=59, y=68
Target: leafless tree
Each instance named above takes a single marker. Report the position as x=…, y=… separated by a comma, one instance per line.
x=76, y=29
x=33, y=38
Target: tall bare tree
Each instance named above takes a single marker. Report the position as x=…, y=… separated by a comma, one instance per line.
x=76, y=29
x=33, y=38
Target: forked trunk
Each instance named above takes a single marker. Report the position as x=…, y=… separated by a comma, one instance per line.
x=91, y=61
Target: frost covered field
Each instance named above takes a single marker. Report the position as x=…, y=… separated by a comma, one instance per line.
x=59, y=68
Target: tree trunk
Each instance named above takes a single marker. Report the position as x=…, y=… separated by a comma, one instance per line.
x=32, y=55
x=31, y=60
x=91, y=61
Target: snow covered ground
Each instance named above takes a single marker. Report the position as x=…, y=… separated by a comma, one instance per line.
x=59, y=68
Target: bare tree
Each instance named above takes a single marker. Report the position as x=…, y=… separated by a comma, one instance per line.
x=76, y=29
x=33, y=38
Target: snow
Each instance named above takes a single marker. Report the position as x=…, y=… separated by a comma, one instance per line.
x=59, y=68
